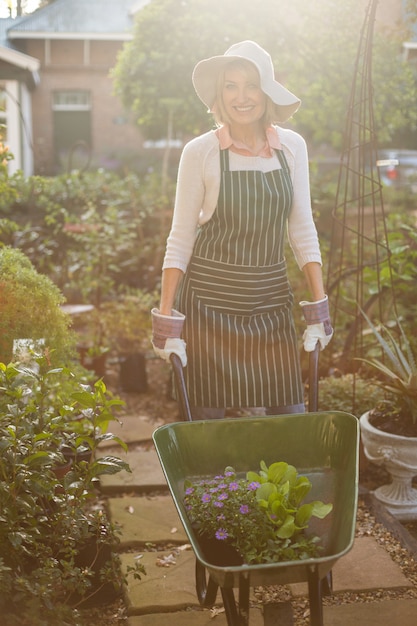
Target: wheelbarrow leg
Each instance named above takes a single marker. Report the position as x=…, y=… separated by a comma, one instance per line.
x=229, y=603
x=244, y=599
x=206, y=590
x=235, y=616
x=315, y=597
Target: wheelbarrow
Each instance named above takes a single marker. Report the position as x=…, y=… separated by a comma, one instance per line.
x=322, y=446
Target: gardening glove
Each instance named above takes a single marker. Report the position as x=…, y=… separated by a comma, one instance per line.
x=319, y=326
x=166, y=331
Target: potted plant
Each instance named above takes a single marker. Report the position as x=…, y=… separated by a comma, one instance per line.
x=126, y=324
x=261, y=518
x=56, y=540
x=389, y=431
x=30, y=308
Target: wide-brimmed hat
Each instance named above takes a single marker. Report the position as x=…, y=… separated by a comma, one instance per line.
x=206, y=72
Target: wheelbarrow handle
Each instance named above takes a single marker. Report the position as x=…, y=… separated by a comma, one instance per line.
x=313, y=379
x=183, y=395
x=180, y=387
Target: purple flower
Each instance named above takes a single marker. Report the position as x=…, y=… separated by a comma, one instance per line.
x=233, y=486
x=222, y=496
x=229, y=473
x=221, y=534
x=253, y=486
x=220, y=517
x=222, y=486
x=218, y=504
x=189, y=491
x=206, y=497
x=244, y=509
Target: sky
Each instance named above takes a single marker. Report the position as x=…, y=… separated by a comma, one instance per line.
x=30, y=5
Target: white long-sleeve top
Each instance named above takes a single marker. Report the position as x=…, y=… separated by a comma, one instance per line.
x=198, y=186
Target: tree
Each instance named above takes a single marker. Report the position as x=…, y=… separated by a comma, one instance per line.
x=169, y=38
x=313, y=46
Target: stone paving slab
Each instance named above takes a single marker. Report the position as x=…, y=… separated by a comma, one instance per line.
x=132, y=429
x=366, y=566
x=385, y=613
x=163, y=588
x=195, y=617
x=145, y=519
x=146, y=471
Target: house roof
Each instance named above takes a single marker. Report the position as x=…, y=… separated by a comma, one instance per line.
x=5, y=24
x=15, y=64
x=79, y=19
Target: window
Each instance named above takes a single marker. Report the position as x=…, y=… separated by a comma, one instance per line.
x=71, y=101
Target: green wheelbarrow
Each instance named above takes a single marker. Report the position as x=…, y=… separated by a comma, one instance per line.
x=322, y=446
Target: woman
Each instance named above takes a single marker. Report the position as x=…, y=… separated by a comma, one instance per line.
x=240, y=188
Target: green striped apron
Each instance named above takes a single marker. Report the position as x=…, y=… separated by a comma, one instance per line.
x=239, y=329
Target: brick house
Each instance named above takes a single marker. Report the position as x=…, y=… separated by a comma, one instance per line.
x=56, y=98
x=56, y=91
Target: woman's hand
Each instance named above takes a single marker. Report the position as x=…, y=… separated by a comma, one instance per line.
x=319, y=327
x=166, y=335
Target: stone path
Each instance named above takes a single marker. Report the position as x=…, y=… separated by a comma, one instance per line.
x=166, y=595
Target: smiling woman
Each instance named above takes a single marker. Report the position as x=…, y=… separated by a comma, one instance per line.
x=239, y=187
x=242, y=101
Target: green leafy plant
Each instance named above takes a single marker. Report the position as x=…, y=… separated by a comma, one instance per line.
x=57, y=543
x=348, y=392
x=397, y=371
x=126, y=322
x=30, y=308
x=262, y=515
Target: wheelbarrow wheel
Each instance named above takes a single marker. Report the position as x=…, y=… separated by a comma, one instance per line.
x=206, y=589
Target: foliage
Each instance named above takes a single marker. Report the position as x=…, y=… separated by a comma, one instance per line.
x=92, y=233
x=49, y=521
x=262, y=515
x=349, y=392
x=126, y=323
x=30, y=308
x=7, y=194
x=398, y=271
x=398, y=371
x=153, y=73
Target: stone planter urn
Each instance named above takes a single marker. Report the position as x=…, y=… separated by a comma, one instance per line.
x=398, y=455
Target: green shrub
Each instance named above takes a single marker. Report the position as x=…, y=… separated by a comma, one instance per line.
x=30, y=308
x=349, y=393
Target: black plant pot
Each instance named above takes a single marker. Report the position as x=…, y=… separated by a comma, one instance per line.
x=133, y=376
x=83, y=453
x=95, y=555
x=219, y=552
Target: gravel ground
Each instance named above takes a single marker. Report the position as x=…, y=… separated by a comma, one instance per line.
x=156, y=403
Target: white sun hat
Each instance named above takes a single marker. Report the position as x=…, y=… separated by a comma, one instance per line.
x=206, y=72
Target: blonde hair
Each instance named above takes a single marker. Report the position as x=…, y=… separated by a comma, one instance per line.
x=218, y=110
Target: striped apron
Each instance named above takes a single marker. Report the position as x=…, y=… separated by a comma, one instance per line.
x=239, y=329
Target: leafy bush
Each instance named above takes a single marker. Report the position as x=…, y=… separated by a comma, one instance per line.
x=56, y=540
x=30, y=308
x=349, y=393
x=92, y=233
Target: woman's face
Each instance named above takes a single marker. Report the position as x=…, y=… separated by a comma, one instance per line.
x=243, y=99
